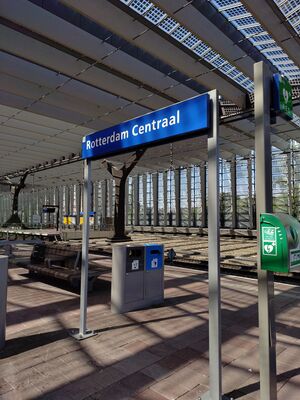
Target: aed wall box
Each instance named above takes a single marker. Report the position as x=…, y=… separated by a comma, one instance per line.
x=279, y=243
x=137, y=276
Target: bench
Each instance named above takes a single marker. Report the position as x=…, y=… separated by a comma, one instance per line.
x=61, y=262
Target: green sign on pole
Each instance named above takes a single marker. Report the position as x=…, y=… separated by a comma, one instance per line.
x=279, y=242
x=282, y=97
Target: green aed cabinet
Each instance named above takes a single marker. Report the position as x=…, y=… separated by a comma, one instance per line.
x=279, y=243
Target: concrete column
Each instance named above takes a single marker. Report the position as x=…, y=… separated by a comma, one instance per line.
x=234, y=222
x=155, y=198
x=177, y=197
x=203, y=195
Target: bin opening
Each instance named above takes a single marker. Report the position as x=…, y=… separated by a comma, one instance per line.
x=135, y=253
x=155, y=252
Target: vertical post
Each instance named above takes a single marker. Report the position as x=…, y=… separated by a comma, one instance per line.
x=96, y=205
x=126, y=201
x=3, y=298
x=136, y=203
x=145, y=208
x=165, y=185
x=250, y=193
x=177, y=196
x=290, y=185
x=189, y=196
x=83, y=332
x=233, y=193
x=215, y=365
x=110, y=205
x=267, y=341
x=78, y=203
x=155, y=198
x=203, y=195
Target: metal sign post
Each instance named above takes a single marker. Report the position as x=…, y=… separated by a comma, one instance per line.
x=84, y=333
x=267, y=342
x=214, y=307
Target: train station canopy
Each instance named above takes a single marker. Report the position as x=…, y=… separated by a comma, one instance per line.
x=71, y=67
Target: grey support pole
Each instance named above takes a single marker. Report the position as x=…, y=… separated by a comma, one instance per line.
x=83, y=331
x=215, y=364
x=155, y=198
x=165, y=188
x=3, y=298
x=250, y=193
x=290, y=183
x=189, y=197
x=145, y=216
x=267, y=341
x=177, y=197
x=233, y=193
x=136, y=206
x=203, y=195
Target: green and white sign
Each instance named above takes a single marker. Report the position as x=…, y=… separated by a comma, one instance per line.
x=269, y=241
x=282, y=97
x=279, y=242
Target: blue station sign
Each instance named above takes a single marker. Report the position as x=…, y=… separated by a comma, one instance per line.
x=167, y=124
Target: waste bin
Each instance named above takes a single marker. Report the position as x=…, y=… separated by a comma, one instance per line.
x=137, y=276
x=3, y=298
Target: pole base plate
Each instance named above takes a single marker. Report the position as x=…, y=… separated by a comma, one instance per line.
x=81, y=336
x=206, y=396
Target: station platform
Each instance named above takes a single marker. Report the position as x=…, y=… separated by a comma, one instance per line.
x=152, y=354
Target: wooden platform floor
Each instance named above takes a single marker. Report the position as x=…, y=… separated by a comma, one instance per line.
x=152, y=354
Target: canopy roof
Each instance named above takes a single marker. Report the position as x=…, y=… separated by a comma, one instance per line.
x=70, y=68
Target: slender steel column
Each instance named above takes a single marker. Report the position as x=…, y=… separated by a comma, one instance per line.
x=233, y=192
x=136, y=203
x=203, y=195
x=177, y=181
x=263, y=150
x=165, y=184
x=145, y=215
x=83, y=331
x=155, y=198
x=189, y=196
x=250, y=193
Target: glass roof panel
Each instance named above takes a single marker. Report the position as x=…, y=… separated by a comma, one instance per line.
x=242, y=20
x=169, y=25
x=291, y=10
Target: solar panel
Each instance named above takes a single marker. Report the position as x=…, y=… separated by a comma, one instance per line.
x=242, y=20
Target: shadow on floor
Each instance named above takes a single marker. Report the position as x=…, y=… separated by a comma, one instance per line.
x=25, y=343
x=253, y=387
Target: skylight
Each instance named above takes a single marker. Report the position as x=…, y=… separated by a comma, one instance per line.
x=291, y=10
x=238, y=15
x=180, y=33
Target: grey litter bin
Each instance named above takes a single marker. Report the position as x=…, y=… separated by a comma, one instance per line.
x=137, y=277
x=3, y=298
